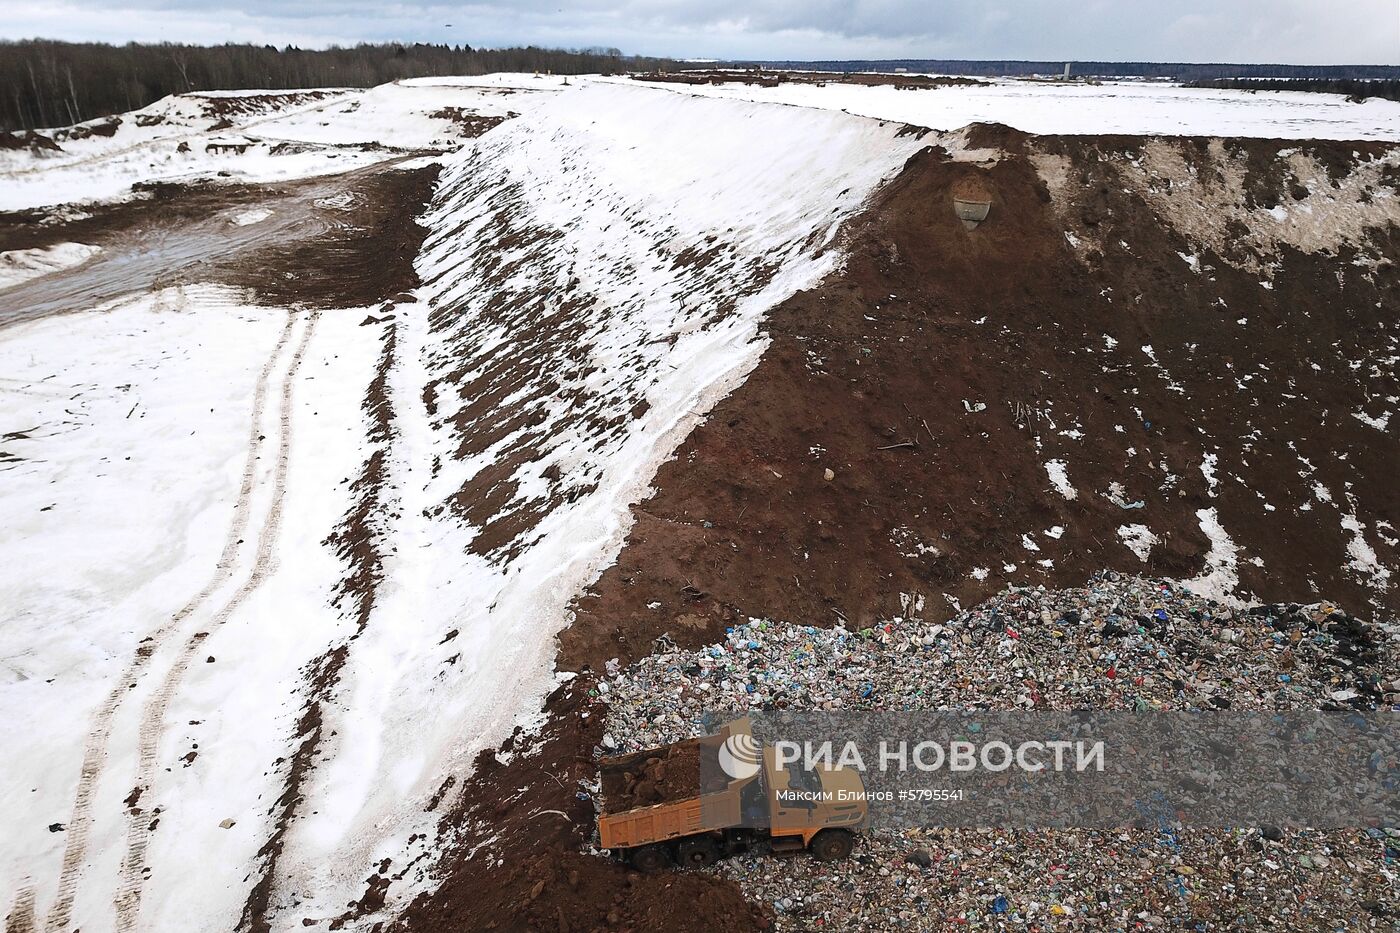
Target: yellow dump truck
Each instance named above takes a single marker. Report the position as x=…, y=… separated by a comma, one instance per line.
x=702, y=799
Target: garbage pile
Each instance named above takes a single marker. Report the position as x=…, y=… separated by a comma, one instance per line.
x=1257, y=879
x=1120, y=642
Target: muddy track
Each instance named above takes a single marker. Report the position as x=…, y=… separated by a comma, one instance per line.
x=21, y=916
x=330, y=242
x=139, y=819
x=95, y=748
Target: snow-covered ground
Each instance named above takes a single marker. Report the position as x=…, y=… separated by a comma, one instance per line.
x=285, y=134
x=290, y=134
x=164, y=582
x=1138, y=107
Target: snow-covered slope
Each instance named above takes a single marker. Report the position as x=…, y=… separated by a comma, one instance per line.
x=596, y=278
x=379, y=528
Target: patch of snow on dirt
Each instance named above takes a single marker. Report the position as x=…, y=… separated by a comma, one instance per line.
x=1379, y=423
x=21, y=265
x=1139, y=539
x=1363, y=559
x=1220, y=577
x=1058, y=471
x=1208, y=463
x=249, y=217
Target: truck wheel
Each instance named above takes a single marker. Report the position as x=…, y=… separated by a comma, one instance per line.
x=832, y=845
x=651, y=858
x=697, y=853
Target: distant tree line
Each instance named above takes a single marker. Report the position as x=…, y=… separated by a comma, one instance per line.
x=1351, y=88
x=45, y=83
x=1176, y=71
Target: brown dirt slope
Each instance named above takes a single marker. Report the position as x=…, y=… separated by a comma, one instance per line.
x=527, y=812
x=868, y=376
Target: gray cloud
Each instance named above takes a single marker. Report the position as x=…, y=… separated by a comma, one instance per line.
x=1302, y=31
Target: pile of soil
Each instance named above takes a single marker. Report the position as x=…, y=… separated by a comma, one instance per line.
x=107, y=128
x=469, y=124
x=28, y=139
x=644, y=779
x=242, y=105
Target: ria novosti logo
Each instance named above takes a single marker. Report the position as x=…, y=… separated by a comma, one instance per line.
x=740, y=756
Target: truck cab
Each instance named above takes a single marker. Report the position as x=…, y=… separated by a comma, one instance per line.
x=803, y=803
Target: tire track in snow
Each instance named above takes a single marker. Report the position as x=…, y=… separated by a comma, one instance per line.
x=95, y=748
x=20, y=919
x=139, y=820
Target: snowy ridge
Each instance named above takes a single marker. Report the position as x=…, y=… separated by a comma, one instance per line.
x=1136, y=107
x=250, y=136
x=596, y=278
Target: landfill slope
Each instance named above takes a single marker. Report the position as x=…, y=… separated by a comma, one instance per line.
x=1156, y=356
x=369, y=431
x=594, y=278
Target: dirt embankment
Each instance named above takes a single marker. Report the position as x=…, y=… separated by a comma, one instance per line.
x=528, y=813
x=363, y=256
x=935, y=377
x=763, y=78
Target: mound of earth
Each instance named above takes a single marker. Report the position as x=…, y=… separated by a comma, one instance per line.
x=650, y=777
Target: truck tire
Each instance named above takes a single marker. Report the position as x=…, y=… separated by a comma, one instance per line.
x=650, y=858
x=697, y=853
x=832, y=845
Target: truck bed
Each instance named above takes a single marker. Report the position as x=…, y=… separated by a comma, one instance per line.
x=655, y=776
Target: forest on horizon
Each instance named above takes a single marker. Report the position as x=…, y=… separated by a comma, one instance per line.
x=46, y=83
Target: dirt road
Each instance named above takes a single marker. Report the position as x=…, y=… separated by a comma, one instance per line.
x=179, y=236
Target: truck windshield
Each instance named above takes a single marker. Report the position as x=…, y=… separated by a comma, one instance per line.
x=809, y=781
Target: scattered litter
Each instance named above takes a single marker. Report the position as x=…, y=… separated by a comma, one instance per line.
x=1118, y=496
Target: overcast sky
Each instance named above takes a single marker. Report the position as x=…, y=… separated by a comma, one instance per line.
x=1295, y=31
